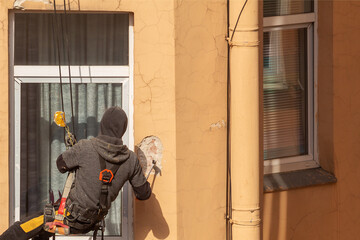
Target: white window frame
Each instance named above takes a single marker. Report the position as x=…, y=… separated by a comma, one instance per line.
x=309, y=21
x=79, y=74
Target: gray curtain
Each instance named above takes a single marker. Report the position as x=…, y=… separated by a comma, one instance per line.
x=42, y=140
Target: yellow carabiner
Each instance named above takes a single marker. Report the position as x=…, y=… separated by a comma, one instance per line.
x=59, y=119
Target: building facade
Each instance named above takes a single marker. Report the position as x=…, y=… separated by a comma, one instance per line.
x=172, y=79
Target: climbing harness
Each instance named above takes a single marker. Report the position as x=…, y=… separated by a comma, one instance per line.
x=85, y=220
x=54, y=221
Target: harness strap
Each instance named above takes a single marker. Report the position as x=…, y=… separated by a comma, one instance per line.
x=100, y=226
x=105, y=177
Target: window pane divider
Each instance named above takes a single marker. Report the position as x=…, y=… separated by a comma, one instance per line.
x=76, y=71
x=289, y=19
x=75, y=80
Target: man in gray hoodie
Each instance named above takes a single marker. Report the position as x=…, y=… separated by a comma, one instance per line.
x=88, y=158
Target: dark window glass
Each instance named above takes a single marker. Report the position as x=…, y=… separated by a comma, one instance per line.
x=94, y=39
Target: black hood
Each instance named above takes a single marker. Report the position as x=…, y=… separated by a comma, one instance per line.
x=113, y=123
x=108, y=143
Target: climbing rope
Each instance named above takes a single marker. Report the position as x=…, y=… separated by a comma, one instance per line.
x=65, y=43
x=54, y=223
x=68, y=58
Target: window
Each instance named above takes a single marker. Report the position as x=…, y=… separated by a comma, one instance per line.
x=101, y=69
x=288, y=83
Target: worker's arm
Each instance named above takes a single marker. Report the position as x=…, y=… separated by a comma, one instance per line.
x=143, y=192
x=68, y=160
x=61, y=165
x=139, y=183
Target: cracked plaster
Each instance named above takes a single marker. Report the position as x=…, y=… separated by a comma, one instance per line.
x=201, y=52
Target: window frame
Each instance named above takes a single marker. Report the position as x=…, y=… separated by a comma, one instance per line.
x=309, y=21
x=80, y=74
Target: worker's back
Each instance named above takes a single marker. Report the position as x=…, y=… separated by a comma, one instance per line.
x=85, y=157
x=90, y=196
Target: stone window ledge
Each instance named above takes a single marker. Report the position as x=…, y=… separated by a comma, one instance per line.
x=297, y=179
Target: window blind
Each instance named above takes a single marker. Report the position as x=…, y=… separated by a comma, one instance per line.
x=285, y=93
x=287, y=7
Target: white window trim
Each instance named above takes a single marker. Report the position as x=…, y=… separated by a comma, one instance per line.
x=76, y=71
x=289, y=19
x=80, y=74
x=309, y=21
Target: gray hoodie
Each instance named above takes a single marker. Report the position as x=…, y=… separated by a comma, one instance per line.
x=84, y=158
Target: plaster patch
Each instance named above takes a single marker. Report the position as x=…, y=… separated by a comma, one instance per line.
x=149, y=149
x=218, y=125
x=18, y=3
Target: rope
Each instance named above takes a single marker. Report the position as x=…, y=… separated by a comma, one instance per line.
x=228, y=141
x=58, y=52
x=64, y=39
x=68, y=58
x=237, y=21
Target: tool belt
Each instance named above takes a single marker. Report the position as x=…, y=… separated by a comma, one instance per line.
x=82, y=220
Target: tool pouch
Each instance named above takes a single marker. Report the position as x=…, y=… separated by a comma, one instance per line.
x=49, y=213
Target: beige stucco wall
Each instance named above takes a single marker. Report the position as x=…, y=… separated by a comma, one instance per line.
x=201, y=53
x=180, y=96
x=332, y=211
x=346, y=109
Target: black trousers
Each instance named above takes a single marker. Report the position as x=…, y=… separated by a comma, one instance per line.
x=30, y=227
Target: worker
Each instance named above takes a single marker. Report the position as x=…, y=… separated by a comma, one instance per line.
x=86, y=205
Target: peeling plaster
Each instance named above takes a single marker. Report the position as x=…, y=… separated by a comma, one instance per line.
x=218, y=125
x=149, y=149
x=18, y=3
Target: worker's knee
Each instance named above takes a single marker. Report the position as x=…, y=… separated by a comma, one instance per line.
x=14, y=232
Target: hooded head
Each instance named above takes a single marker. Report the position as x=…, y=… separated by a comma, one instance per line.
x=109, y=144
x=113, y=122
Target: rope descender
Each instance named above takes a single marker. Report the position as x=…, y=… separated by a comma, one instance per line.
x=59, y=119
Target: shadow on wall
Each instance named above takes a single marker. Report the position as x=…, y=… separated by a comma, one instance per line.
x=148, y=213
x=149, y=217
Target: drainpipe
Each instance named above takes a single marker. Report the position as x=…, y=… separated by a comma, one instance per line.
x=244, y=119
